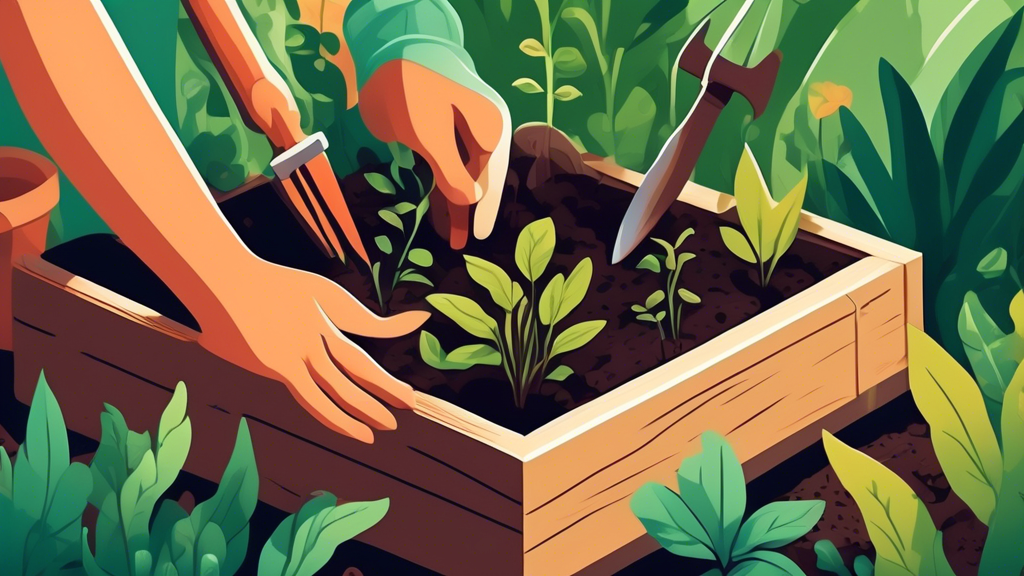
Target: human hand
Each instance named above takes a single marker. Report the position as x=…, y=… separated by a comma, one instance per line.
x=463, y=135
x=289, y=325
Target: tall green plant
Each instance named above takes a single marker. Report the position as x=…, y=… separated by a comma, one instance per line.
x=672, y=264
x=989, y=480
x=527, y=341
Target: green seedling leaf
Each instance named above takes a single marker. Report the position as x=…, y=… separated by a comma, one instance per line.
x=671, y=522
x=829, y=559
x=638, y=308
x=688, y=297
x=646, y=318
x=567, y=92
x=421, y=257
x=380, y=183
x=766, y=563
x=904, y=536
x=575, y=289
x=660, y=316
x=402, y=155
x=993, y=264
x=559, y=374
x=384, y=244
x=392, y=219
x=712, y=485
x=330, y=42
x=737, y=243
x=527, y=85
x=753, y=204
x=962, y=435
x=576, y=336
x=466, y=313
x=784, y=220
x=293, y=37
x=569, y=62
x=670, y=253
x=778, y=524
x=683, y=236
x=503, y=290
x=460, y=358
x=533, y=48
x=403, y=208
x=649, y=262
x=411, y=276
x=654, y=299
x=534, y=248
x=550, y=300
x=862, y=566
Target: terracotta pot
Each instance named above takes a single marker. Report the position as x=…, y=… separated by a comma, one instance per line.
x=28, y=191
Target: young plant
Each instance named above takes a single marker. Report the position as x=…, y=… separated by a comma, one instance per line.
x=404, y=267
x=705, y=519
x=988, y=479
x=769, y=227
x=565, y=62
x=830, y=561
x=525, y=342
x=43, y=495
x=672, y=263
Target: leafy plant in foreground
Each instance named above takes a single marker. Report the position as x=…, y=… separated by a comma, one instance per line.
x=407, y=227
x=769, y=227
x=672, y=263
x=989, y=480
x=43, y=495
x=527, y=342
x=705, y=519
x=829, y=560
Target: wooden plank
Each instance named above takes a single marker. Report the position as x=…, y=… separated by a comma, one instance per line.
x=881, y=324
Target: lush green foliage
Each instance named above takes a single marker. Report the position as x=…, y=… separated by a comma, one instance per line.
x=672, y=263
x=42, y=496
x=528, y=340
x=830, y=561
x=705, y=519
x=403, y=265
x=769, y=227
x=989, y=480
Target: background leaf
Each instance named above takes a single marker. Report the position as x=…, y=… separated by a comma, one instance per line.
x=1003, y=555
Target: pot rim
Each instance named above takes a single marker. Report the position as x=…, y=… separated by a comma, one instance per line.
x=36, y=202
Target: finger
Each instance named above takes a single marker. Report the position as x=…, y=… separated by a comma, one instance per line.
x=368, y=373
x=348, y=396
x=359, y=320
x=309, y=395
x=459, y=219
x=492, y=178
x=441, y=151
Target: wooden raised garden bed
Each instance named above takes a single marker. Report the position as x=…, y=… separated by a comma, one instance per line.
x=471, y=497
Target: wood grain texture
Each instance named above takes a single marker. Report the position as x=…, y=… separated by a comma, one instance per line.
x=881, y=318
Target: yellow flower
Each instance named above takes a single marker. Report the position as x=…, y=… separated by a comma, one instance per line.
x=825, y=98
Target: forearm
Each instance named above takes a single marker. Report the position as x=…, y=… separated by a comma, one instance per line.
x=92, y=112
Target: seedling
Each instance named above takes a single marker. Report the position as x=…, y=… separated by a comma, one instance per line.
x=769, y=227
x=671, y=262
x=565, y=62
x=830, y=561
x=525, y=343
x=397, y=216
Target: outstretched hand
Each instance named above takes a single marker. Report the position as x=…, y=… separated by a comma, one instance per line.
x=462, y=134
x=291, y=325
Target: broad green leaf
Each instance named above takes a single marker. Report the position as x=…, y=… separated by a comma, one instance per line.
x=304, y=542
x=993, y=264
x=898, y=523
x=466, y=313
x=569, y=62
x=777, y=524
x=766, y=563
x=711, y=483
x=421, y=257
x=688, y=297
x=646, y=318
x=637, y=308
x=670, y=253
x=330, y=42
x=993, y=355
x=384, y=244
x=649, y=262
x=380, y=183
x=880, y=192
x=576, y=336
x=962, y=435
x=506, y=9
x=579, y=18
x=671, y=522
x=752, y=203
x=567, y=92
x=737, y=243
x=682, y=237
x=392, y=219
x=829, y=559
x=402, y=155
x=534, y=247
x=410, y=276
x=532, y=47
x=403, y=208
x=460, y=358
x=1003, y=555
x=654, y=299
x=784, y=221
x=550, y=300
x=862, y=566
x=660, y=316
x=293, y=37
x=559, y=374
x=575, y=289
x=44, y=456
x=504, y=292
x=527, y=85
x=633, y=124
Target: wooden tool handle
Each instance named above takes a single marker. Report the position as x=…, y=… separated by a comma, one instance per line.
x=258, y=87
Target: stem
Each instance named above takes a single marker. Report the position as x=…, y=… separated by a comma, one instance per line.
x=505, y=363
x=673, y=90
x=544, y=11
x=661, y=330
x=408, y=242
x=610, y=99
x=323, y=6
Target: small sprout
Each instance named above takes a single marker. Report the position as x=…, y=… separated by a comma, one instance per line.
x=671, y=262
x=380, y=183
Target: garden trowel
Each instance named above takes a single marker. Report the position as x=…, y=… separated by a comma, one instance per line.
x=307, y=181
x=670, y=172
